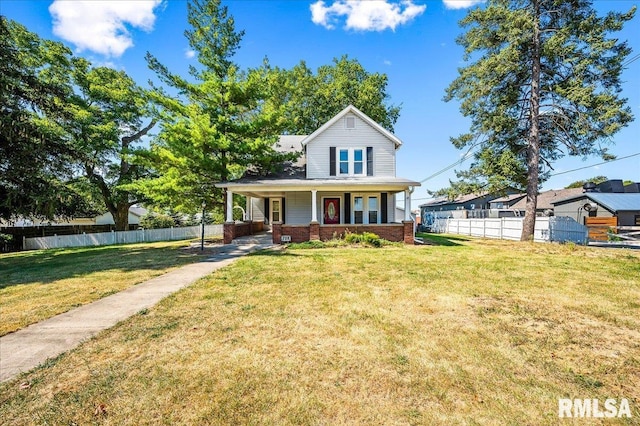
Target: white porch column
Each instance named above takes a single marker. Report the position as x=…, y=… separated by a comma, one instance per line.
x=314, y=205
x=247, y=208
x=229, y=206
x=407, y=205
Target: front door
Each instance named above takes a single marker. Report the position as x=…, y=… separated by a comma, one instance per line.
x=275, y=210
x=331, y=211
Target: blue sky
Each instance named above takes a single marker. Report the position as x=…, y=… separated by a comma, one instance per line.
x=412, y=41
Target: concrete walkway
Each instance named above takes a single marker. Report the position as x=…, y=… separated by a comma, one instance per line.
x=27, y=348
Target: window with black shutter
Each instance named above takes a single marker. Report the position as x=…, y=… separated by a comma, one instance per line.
x=332, y=161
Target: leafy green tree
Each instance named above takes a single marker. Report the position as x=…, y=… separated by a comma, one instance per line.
x=306, y=100
x=543, y=82
x=215, y=128
x=35, y=157
x=105, y=121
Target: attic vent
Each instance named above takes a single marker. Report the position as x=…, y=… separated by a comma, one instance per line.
x=350, y=122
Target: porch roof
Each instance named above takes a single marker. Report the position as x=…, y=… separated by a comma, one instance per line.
x=267, y=187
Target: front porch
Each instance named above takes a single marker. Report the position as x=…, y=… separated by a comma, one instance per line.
x=299, y=210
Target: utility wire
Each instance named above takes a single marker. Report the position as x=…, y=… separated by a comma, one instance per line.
x=597, y=164
x=569, y=171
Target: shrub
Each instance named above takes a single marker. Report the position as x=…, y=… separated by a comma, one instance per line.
x=156, y=221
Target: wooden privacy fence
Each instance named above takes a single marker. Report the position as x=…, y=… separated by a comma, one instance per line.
x=121, y=237
x=601, y=227
x=548, y=229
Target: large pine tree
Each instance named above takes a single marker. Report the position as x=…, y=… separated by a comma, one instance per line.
x=543, y=82
x=213, y=128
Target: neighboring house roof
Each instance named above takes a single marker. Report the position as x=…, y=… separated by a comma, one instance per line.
x=547, y=198
x=138, y=211
x=614, y=202
x=459, y=200
x=362, y=116
x=508, y=198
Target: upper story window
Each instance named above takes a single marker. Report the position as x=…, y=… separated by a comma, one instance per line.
x=351, y=161
x=344, y=161
x=358, y=162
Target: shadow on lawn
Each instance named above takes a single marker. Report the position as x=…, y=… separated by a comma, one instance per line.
x=443, y=240
x=46, y=266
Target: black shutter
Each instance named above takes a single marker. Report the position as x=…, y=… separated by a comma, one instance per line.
x=266, y=210
x=384, y=216
x=282, y=207
x=347, y=207
x=369, y=161
x=332, y=161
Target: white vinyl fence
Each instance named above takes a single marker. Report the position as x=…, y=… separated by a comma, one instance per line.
x=548, y=229
x=121, y=237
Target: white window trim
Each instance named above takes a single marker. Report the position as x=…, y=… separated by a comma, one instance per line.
x=351, y=157
x=365, y=206
x=271, y=200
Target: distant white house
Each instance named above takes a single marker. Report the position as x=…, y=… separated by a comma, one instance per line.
x=135, y=214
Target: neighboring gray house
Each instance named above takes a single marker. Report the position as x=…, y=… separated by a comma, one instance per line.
x=345, y=180
x=463, y=202
x=506, y=202
x=624, y=206
x=544, y=206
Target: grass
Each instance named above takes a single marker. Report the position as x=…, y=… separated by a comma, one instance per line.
x=36, y=285
x=482, y=332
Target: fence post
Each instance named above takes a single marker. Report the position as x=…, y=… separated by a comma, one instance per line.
x=24, y=242
x=501, y=226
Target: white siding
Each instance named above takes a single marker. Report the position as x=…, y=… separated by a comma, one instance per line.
x=391, y=209
x=257, y=209
x=298, y=208
x=384, y=154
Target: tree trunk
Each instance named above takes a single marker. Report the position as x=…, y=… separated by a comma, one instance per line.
x=121, y=216
x=533, y=148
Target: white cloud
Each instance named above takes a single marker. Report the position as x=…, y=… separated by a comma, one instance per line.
x=461, y=4
x=387, y=62
x=189, y=53
x=99, y=25
x=365, y=15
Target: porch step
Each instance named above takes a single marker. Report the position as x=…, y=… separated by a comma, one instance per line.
x=259, y=239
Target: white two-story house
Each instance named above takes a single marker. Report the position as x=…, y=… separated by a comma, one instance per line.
x=344, y=181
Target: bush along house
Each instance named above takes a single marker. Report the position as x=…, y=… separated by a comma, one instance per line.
x=344, y=181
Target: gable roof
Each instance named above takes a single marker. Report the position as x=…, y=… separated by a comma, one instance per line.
x=614, y=202
x=364, y=117
x=458, y=200
x=508, y=198
x=547, y=198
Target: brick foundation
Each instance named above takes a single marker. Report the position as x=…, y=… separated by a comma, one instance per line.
x=276, y=232
x=233, y=230
x=314, y=231
x=408, y=232
x=298, y=233
x=229, y=232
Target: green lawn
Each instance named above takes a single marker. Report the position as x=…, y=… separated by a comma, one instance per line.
x=476, y=332
x=36, y=285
